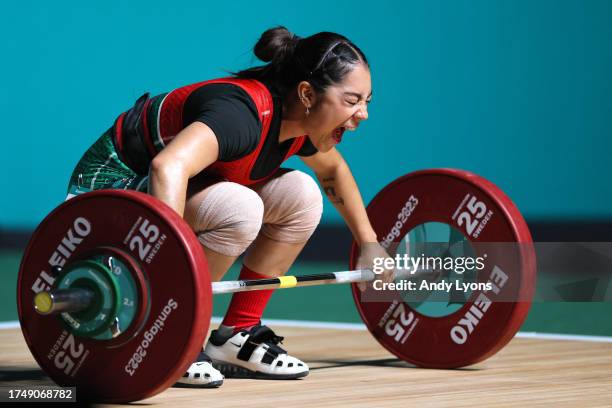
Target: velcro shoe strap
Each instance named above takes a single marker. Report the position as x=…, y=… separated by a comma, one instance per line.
x=247, y=350
x=257, y=336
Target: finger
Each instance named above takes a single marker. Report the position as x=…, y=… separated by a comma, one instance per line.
x=388, y=276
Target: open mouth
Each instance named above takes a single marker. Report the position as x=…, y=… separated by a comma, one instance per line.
x=337, y=134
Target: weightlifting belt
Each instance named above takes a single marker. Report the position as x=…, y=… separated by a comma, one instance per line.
x=132, y=139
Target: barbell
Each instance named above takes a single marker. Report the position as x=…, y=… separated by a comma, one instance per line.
x=114, y=294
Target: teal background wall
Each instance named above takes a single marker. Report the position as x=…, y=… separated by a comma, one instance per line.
x=518, y=91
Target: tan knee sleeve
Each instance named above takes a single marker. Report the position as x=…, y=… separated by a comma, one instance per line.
x=228, y=217
x=292, y=207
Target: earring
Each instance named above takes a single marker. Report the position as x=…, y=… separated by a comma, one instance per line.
x=307, y=107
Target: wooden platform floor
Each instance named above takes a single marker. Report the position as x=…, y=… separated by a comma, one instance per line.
x=348, y=368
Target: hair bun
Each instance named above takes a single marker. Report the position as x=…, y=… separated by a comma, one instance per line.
x=275, y=44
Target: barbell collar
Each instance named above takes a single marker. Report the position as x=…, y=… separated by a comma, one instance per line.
x=63, y=301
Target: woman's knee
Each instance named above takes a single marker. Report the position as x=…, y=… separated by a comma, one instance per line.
x=226, y=217
x=294, y=205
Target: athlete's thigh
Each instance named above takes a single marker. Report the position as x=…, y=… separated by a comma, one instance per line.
x=100, y=168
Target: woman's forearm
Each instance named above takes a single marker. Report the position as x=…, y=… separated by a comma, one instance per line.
x=340, y=187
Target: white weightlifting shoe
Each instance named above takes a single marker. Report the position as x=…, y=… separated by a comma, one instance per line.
x=253, y=354
x=201, y=374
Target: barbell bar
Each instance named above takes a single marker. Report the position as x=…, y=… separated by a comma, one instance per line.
x=79, y=299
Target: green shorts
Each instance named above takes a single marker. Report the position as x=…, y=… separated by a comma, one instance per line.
x=100, y=167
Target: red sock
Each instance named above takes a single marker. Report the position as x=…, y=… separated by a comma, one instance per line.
x=246, y=308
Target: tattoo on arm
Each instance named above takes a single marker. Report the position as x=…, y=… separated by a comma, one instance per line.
x=330, y=191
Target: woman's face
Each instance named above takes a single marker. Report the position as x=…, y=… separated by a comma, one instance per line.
x=340, y=108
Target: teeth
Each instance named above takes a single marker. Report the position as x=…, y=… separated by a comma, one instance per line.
x=338, y=133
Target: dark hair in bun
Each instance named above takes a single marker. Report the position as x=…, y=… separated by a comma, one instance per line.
x=276, y=43
x=322, y=59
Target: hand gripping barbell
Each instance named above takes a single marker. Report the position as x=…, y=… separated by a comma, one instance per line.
x=114, y=294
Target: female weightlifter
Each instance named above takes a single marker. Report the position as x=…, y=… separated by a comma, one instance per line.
x=212, y=151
